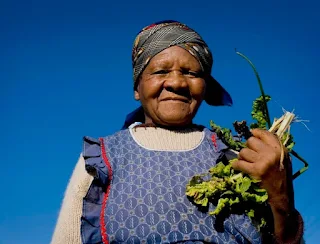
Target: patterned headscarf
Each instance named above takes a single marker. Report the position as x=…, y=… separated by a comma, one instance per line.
x=155, y=38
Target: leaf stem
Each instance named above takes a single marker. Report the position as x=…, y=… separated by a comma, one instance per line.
x=300, y=171
x=295, y=154
x=260, y=85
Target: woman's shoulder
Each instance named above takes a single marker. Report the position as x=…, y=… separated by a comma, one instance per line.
x=93, y=146
x=98, y=139
x=95, y=157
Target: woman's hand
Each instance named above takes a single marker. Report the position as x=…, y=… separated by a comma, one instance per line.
x=261, y=160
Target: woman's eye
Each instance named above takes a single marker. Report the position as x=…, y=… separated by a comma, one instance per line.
x=193, y=73
x=161, y=72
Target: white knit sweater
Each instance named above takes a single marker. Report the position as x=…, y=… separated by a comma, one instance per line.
x=67, y=230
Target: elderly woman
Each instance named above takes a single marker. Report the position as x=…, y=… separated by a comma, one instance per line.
x=129, y=187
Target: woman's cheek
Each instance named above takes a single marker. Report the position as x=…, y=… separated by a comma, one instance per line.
x=198, y=88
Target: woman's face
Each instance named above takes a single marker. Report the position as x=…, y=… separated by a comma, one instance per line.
x=171, y=88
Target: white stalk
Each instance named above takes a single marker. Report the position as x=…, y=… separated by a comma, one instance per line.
x=279, y=127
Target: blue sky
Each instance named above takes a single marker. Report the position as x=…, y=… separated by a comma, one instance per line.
x=66, y=72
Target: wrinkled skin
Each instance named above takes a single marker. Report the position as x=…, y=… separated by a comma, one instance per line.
x=172, y=88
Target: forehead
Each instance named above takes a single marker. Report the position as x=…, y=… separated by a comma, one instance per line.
x=174, y=55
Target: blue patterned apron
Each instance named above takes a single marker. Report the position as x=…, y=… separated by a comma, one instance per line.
x=138, y=195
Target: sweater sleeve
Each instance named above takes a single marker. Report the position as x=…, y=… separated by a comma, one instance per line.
x=67, y=229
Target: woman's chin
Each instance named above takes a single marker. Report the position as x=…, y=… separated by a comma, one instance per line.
x=175, y=120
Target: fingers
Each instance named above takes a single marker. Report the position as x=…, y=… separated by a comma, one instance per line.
x=261, y=156
x=256, y=144
x=249, y=155
x=244, y=166
x=267, y=137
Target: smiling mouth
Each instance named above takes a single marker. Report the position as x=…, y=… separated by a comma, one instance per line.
x=184, y=100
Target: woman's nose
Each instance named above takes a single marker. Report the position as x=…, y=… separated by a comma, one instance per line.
x=176, y=80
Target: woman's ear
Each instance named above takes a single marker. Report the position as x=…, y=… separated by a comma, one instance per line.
x=136, y=90
x=136, y=94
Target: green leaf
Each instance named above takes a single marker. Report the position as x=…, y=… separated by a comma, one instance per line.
x=243, y=184
x=195, y=180
x=227, y=137
x=262, y=223
x=222, y=203
x=234, y=201
x=202, y=201
x=290, y=143
x=228, y=192
x=257, y=189
x=217, y=170
x=258, y=112
x=250, y=213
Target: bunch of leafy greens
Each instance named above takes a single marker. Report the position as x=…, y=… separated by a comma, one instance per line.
x=230, y=190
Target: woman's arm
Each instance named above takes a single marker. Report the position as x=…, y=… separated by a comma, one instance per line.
x=262, y=160
x=288, y=223
x=67, y=230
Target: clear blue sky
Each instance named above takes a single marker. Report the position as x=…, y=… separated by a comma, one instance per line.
x=65, y=72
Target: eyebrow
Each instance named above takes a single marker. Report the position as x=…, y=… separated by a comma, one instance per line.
x=163, y=64
x=160, y=63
